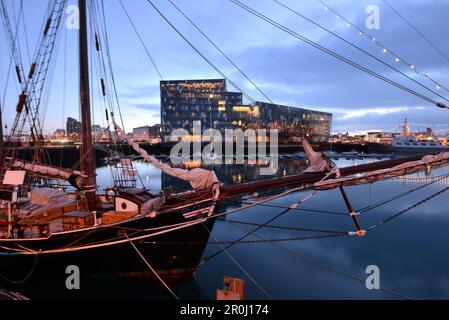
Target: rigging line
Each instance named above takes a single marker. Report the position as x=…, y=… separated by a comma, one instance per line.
x=360, y=49
x=257, y=241
x=332, y=53
x=287, y=228
x=417, y=30
x=304, y=209
x=199, y=52
x=321, y=264
x=295, y=205
x=400, y=213
x=141, y=41
x=30, y=273
x=402, y=60
x=239, y=265
x=25, y=31
x=109, y=56
x=381, y=203
x=221, y=51
x=64, y=90
x=151, y=268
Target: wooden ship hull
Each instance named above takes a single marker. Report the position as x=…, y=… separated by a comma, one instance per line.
x=107, y=249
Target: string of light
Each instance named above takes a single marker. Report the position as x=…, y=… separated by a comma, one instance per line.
x=385, y=49
x=335, y=54
x=360, y=49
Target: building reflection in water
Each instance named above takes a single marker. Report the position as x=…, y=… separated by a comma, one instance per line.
x=236, y=173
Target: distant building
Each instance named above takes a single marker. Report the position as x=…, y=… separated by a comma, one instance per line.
x=59, y=132
x=73, y=127
x=208, y=101
x=292, y=122
x=146, y=133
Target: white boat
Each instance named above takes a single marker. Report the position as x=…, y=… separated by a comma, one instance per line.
x=409, y=143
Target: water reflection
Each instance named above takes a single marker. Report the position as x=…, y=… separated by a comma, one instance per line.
x=411, y=251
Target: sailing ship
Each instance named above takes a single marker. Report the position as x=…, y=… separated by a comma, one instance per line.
x=47, y=229
x=126, y=230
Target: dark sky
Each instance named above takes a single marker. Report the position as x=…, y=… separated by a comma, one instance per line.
x=289, y=71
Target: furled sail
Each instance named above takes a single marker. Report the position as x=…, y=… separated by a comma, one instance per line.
x=317, y=161
x=73, y=177
x=198, y=178
x=399, y=170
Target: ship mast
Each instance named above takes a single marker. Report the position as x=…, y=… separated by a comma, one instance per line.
x=2, y=149
x=87, y=151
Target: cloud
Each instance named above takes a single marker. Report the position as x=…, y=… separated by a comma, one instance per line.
x=357, y=113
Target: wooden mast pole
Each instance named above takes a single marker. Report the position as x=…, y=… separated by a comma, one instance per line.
x=2, y=145
x=87, y=151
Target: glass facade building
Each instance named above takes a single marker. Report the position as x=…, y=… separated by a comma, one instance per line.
x=292, y=122
x=185, y=101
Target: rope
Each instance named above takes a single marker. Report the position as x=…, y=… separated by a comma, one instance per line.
x=221, y=51
x=323, y=265
x=331, y=52
x=36, y=259
x=233, y=242
x=304, y=209
x=207, y=259
x=360, y=49
x=240, y=266
x=199, y=52
x=287, y=228
x=376, y=205
x=417, y=204
x=417, y=31
x=151, y=268
x=141, y=41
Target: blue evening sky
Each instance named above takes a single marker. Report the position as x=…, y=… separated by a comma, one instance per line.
x=289, y=71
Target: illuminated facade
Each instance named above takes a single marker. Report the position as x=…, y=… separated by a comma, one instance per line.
x=208, y=101
x=292, y=122
x=185, y=101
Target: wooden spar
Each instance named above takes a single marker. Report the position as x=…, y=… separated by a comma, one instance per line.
x=87, y=150
x=352, y=213
x=308, y=178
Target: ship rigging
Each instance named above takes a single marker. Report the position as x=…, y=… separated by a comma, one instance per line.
x=47, y=227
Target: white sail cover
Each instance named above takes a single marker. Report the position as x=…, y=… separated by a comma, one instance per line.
x=373, y=176
x=74, y=177
x=317, y=162
x=198, y=178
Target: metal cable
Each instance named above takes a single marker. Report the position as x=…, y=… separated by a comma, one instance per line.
x=221, y=51
x=199, y=52
x=360, y=49
x=323, y=265
x=417, y=31
x=240, y=266
x=331, y=52
x=141, y=41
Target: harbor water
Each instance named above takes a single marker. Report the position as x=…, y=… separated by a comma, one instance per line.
x=411, y=251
